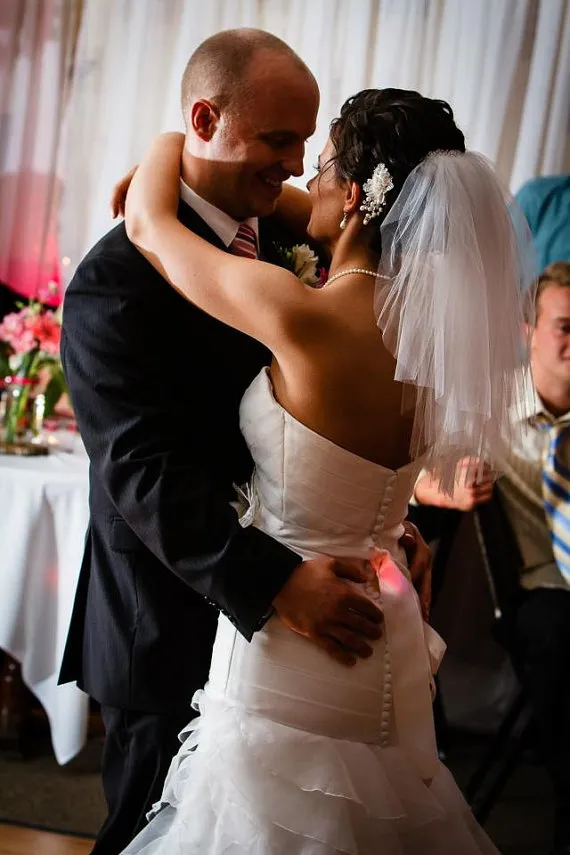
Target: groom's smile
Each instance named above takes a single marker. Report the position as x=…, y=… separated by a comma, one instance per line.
x=272, y=181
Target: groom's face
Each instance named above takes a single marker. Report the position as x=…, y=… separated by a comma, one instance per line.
x=260, y=140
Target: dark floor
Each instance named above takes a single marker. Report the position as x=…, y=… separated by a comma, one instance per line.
x=520, y=822
x=42, y=793
x=38, y=791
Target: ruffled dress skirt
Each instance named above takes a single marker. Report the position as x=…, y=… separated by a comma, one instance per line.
x=245, y=783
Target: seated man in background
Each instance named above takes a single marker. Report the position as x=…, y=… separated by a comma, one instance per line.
x=545, y=202
x=535, y=492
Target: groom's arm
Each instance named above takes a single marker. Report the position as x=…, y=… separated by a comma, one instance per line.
x=293, y=211
x=140, y=451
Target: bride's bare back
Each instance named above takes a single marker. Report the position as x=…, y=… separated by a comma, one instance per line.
x=341, y=385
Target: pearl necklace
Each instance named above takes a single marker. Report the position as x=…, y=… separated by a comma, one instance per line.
x=355, y=270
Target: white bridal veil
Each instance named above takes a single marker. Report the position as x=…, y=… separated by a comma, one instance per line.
x=461, y=268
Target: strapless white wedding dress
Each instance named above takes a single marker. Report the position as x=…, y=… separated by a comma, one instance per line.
x=293, y=754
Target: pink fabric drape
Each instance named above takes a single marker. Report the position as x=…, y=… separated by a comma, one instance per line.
x=36, y=39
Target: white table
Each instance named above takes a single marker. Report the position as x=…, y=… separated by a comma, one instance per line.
x=43, y=520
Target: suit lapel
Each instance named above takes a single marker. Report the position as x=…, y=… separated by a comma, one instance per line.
x=269, y=241
x=189, y=218
x=273, y=237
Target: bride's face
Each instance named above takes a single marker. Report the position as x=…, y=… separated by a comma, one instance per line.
x=328, y=196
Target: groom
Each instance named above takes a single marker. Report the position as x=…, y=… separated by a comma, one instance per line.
x=156, y=385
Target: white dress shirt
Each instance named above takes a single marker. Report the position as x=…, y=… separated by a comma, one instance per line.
x=221, y=223
x=520, y=488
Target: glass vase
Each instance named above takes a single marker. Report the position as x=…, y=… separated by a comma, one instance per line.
x=16, y=421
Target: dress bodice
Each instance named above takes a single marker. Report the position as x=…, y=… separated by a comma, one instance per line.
x=319, y=499
x=309, y=491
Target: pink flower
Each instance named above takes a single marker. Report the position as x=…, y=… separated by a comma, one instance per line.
x=12, y=330
x=23, y=329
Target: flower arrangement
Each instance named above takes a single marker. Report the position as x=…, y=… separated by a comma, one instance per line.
x=29, y=350
x=302, y=261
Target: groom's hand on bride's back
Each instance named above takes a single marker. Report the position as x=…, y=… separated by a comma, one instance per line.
x=317, y=602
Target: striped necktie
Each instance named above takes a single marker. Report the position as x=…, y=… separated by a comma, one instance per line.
x=245, y=242
x=556, y=490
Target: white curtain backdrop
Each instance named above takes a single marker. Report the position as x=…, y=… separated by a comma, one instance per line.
x=504, y=65
x=36, y=42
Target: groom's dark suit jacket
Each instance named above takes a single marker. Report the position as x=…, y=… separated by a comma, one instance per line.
x=156, y=386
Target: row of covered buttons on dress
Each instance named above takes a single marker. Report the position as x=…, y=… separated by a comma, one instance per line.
x=387, y=497
x=374, y=592
x=387, y=699
x=387, y=693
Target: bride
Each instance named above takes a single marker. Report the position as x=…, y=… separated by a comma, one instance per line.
x=292, y=751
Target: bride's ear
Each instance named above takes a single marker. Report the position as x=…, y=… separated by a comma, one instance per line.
x=353, y=194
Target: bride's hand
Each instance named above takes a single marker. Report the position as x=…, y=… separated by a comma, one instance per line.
x=419, y=556
x=119, y=193
x=121, y=188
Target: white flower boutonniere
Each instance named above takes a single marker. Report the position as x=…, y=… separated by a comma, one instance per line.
x=302, y=261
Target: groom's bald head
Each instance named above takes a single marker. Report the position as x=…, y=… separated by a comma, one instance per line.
x=250, y=103
x=218, y=70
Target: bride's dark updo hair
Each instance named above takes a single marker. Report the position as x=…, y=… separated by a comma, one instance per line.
x=396, y=127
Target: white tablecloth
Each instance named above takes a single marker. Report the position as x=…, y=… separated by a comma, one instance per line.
x=43, y=520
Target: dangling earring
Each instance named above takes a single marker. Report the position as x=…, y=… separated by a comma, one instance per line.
x=344, y=221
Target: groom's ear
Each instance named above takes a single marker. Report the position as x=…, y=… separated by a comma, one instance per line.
x=204, y=118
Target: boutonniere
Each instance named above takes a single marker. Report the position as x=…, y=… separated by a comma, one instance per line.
x=302, y=261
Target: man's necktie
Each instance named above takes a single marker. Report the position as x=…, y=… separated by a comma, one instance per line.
x=245, y=242
x=556, y=491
